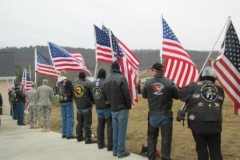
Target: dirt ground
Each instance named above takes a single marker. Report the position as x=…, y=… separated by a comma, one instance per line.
x=183, y=145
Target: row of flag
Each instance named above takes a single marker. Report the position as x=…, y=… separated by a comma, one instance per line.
x=178, y=64
x=109, y=49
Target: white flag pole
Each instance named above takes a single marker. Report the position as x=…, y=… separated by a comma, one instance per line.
x=96, y=65
x=35, y=64
x=161, y=44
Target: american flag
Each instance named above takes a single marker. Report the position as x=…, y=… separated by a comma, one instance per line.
x=28, y=84
x=78, y=56
x=178, y=64
x=23, y=82
x=227, y=66
x=26, y=81
x=63, y=60
x=103, y=46
x=132, y=59
x=45, y=66
x=129, y=67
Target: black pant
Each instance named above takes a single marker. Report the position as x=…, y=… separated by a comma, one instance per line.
x=166, y=133
x=208, y=145
x=100, y=132
x=84, y=122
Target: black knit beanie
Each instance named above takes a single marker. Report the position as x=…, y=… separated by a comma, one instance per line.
x=115, y=65
x=82, y=75
x=101, y=73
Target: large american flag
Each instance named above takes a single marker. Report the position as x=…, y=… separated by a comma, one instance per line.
x=45, y=66
x=78, y=56
x=128, y=63
x=63, y=60
x=103, y=46
x=227, y=66
x=178, y=64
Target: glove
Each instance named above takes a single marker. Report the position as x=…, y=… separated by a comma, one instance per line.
x=181, y=115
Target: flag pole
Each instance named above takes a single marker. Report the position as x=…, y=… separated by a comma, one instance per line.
x=184, y=107
x=161, y=44
x=29, y=70
x=35, y=64
x=96, y=65
x=213, y=46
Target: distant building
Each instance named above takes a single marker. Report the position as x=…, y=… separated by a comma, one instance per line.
x=144, y=75
x=7, y=77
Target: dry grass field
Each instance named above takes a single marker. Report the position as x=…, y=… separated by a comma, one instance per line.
x=183, y=145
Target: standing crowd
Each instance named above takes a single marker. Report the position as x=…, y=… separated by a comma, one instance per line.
x=111, y=97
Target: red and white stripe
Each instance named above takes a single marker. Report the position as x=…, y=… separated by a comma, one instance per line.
x=178, y=65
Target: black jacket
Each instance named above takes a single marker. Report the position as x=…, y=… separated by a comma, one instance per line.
x=99, y=98
x=117, y=92
x=20, y=96
x=64, y=89
x=204, y=106
x=82, y=94
x=1, y=100
x=160, y=92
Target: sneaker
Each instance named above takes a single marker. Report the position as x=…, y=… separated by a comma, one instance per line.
x=124, y=155
x=63, y=136
x=114, y=154
x=71, y=137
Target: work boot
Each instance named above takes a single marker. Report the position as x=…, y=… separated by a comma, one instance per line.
x=44, y=129
x=124, y=155
x=35, y=125
x=80, y=139
x=48, y=129
x=90, y=141
x=31, y=125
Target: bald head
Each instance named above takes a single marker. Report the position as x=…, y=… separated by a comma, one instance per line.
x=45, y=81
x=63, y=73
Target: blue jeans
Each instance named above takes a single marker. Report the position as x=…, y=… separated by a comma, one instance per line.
x=11, y=109
x=104, y=113
x=67, y=114
x=120, y=122
x=159, y=120
x=20, y=108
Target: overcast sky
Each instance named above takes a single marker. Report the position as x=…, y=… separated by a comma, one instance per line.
x=197, y=24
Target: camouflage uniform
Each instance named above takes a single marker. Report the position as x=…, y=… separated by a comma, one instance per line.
x=44, y=95
x=33, y=108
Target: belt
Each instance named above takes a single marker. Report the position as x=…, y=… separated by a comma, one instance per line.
x=158, y=112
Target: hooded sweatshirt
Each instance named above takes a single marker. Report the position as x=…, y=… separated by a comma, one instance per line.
x=64, y=89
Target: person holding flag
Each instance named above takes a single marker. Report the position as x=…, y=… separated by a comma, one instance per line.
x=204, y=100
x=160, y=92
x=20, y=104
